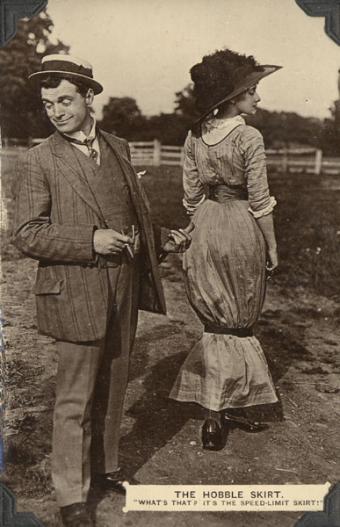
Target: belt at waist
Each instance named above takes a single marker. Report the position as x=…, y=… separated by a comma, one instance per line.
x=223, y=193
x=220, y=330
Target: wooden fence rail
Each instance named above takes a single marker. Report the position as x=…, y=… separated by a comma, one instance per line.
x=308, y=160
x=153, y=153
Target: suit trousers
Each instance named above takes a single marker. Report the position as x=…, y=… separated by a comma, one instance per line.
x=90, y=389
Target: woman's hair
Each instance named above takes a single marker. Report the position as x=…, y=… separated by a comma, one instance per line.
x=53, y=81
x=216, y=76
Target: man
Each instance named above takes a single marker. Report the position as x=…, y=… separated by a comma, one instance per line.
x=81, y=212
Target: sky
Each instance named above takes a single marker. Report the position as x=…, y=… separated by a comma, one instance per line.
x=145, y=48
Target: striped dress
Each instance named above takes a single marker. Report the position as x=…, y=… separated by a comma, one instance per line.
x=225, y=190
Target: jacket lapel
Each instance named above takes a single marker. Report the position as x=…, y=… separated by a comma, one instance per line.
x=69, y=167
x=140, y=203
x=129, y=173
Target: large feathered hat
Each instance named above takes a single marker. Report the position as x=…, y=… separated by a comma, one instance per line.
x=222, y=76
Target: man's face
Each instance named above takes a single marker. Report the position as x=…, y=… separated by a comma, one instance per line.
x=66, y=108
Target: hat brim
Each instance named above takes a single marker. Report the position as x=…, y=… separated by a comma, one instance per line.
x=249, y=81
x=97, y=88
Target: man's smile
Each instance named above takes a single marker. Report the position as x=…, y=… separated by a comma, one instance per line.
x=62, y=122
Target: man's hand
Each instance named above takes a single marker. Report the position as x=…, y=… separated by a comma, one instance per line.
x=109, y=241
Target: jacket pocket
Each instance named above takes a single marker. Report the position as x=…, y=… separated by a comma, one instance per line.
x=48, y=287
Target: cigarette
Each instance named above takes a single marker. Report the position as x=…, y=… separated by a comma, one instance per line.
x=128, y=246
x=129, y=250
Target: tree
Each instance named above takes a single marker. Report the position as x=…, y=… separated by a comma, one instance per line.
x=21, y=110
x=122, y=116
x=168, y=128
x=286, y=129
x=278, y=128
x=185, y=104
x=330, y=140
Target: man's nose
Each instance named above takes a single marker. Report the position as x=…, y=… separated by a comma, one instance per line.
x=257, y=97
x=58, y=111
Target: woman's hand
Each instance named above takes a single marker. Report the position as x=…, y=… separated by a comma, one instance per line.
x=179, y=240
x=273, y=260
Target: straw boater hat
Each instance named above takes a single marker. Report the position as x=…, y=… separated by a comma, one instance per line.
x=60, y=65
x=224, y=75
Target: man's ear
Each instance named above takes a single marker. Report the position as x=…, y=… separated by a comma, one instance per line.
x=89, y=97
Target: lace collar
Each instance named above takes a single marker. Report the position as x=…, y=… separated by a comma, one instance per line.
x=227, y=124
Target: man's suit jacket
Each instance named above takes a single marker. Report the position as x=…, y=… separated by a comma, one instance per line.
x=56, y=215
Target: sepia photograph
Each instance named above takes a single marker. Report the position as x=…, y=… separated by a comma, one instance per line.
x=170, y=264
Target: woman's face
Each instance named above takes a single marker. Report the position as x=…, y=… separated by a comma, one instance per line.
x=247, y=101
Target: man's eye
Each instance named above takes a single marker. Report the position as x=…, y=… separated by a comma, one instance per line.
x=47, y=106
x=66, y=102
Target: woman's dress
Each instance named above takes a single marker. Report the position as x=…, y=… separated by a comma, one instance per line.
x=225, y=187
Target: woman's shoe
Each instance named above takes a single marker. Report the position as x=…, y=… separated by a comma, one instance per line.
x=245, y=424
x=212, y=438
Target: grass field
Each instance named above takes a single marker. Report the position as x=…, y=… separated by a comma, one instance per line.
x=160, y=444
x=307, y=221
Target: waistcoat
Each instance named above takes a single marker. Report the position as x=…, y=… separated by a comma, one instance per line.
x=109, y=188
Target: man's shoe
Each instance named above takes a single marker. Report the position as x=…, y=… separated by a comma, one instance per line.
x=76, y=515
x=112, y=481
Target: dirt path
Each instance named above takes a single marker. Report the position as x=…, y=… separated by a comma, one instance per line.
x=160, y=438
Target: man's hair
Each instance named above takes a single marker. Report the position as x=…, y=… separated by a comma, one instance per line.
x=53, y=81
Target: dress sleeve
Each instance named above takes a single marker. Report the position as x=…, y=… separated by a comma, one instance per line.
x=194, y=193
x=252, y=147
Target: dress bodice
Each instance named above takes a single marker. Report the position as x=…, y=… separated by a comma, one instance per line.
x=222, y=162
x=237, y=161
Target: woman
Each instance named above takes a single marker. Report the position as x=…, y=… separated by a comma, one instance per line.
x=233, y=239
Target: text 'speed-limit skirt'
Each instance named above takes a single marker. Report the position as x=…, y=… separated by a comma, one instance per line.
x=225, y=280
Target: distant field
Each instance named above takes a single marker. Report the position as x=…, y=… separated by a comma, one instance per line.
x=307, y=221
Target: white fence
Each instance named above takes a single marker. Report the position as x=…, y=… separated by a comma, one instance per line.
x=153, y=153
x=296, y=160
x=308, y=160
x=156, y=154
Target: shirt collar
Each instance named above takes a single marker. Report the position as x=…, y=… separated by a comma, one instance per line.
x=80, y=136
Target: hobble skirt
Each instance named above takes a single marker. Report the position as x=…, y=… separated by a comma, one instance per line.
x=225, y=282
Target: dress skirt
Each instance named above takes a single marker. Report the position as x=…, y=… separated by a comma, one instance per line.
x=225, y=282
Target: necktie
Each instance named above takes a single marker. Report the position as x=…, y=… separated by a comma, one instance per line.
x=92, y=152
x=88, y=143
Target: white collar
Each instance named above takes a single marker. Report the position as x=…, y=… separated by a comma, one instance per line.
x=80, y=136
x=227, y=124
